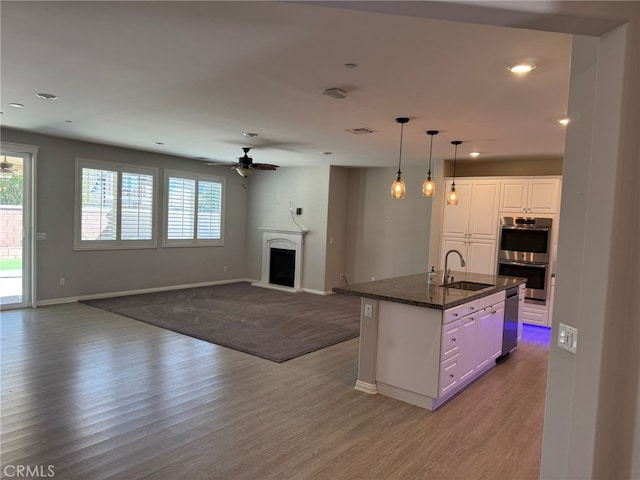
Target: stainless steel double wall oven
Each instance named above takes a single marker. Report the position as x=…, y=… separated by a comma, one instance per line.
x=525, y=251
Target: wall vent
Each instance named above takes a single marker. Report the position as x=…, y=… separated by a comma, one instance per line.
x=360, y=131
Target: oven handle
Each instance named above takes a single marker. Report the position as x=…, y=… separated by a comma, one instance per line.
x=525, y=264
x=528, y=229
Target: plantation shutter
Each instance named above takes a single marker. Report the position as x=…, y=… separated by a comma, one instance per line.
x=209, y=210
x=137, y=206
x=99, y=204
x=181, y=208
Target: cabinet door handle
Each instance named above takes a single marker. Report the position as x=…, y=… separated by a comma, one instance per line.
x=455, y=314
x=451, y=375
x=453, y=339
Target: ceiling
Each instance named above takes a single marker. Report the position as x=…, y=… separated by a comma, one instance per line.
x=195, y=76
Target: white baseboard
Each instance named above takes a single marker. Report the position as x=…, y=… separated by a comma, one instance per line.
x=365, y=387
x=58, y=301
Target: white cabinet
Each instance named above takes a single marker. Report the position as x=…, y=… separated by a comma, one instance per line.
x=479, y=255
x=528, y=196
x=476, y=214
x=521, y=290
x=535, y=314
x=471, y=341
x=471, y=227
x=468, y=333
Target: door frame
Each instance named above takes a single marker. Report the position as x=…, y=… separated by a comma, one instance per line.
x=29, y=154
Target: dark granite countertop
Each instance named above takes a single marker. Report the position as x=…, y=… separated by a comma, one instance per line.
x=415, y=290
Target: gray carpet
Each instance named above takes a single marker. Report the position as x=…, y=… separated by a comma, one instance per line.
x=267, y=323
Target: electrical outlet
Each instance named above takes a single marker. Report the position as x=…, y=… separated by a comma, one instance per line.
x=226, y=268
x=342, y=276
x=368, y=310
x=61, y=281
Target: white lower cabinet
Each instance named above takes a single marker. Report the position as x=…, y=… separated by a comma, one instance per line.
x=471, y=341
x=521, y=289
x=449, y=374
x=424, y=356
x=536, y=315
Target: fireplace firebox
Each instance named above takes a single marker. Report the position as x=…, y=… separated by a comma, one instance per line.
x=282, y=267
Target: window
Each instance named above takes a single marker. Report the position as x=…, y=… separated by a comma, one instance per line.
x=115, y=205
x=194, y=210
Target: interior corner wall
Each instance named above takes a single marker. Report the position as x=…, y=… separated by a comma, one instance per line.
x=386, y=237
x=270, y=197
x=584, y=425
x=336, y=239
x=93, y=272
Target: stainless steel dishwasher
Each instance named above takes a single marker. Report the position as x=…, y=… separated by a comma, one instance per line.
x=510, y=331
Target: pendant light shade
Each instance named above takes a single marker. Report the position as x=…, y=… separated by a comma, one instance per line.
x=398, y=188
x=429, y=186
x=452, y=196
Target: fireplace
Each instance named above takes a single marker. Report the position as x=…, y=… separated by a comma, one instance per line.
x=282, y=255
x=282, y=267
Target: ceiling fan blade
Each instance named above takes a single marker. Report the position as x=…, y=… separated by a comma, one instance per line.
x=263, y=166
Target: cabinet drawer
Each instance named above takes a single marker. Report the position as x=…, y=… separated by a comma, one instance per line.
x=474, y=306
x=449, y=376
x=535, y=316
x=450, y=340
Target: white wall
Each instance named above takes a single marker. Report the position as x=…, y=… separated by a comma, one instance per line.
x=269, y=197
x=386, y=237
x=337, y=221
x=93, y=272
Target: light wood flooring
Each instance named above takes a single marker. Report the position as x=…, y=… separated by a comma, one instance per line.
x=100, y=396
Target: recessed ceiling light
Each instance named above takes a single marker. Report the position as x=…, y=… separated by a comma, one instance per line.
x=47, y=96
x=250, y=134
x=158, y=143
x=16, y=105
x=521, y=68
x=563, y=121
x=474, y=154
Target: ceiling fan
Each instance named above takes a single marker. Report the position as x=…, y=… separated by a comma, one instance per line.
x=245, y=166
x=6, y=169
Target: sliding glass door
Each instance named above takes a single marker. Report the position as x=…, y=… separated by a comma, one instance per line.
x=16, y=167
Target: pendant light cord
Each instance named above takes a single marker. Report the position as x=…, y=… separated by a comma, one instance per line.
x=455, y=158
x=400, y=157
x=430, y=152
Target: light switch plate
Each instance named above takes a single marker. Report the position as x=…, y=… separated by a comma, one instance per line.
x=568, y=338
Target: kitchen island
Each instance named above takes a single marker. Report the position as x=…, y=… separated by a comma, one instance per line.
x=424, y=343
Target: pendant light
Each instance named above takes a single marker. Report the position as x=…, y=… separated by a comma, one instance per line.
x=398, y=188
x=429, y=186
x=452, y=197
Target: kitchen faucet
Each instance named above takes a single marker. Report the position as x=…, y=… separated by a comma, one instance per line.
x=446, y=276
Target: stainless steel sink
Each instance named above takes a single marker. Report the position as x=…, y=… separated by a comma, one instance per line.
x=469, y=286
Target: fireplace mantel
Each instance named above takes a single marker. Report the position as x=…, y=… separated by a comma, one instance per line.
x=287, y=239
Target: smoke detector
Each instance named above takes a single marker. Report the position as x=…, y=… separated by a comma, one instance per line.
x=335, y=93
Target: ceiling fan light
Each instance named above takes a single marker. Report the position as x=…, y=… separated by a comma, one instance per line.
x=244, y=171
x=6, y=170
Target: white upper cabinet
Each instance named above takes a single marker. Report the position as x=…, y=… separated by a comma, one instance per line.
x=528, y=196
x=476, y=214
